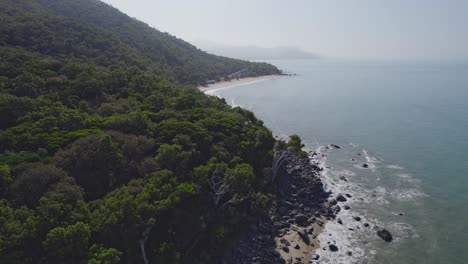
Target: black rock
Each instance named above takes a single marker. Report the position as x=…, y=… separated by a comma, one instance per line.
x=297, y=247
x=341, y=198
x=304, y=236
x=343, y=178
x=365, y=165
x=400, y=214
x=336, y=209
x=340, y=222
x=285, y=242
x=349, y=253
x=333, y=248
x=385, y=235
x=301, y=219
x=357, y=218
x=348, y=195
x=335, y=146
x=346, y=207
x=285, y=249
x=282, y=210
x=366, y=225
x=315, y=256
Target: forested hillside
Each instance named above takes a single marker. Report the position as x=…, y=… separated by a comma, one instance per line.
x=108, y=152
x=92, y=31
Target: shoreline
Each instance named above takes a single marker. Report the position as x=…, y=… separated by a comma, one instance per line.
x=236, y=82
x=288, y=230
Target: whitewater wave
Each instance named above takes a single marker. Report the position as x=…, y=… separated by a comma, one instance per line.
x=370, y=199
x=394, y=167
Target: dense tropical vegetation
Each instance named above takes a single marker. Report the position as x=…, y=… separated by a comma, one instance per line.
x=108, y=152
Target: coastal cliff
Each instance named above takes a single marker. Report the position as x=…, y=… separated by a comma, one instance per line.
x=286, y=232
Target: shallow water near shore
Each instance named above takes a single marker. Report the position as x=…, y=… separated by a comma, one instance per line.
x=408, y=122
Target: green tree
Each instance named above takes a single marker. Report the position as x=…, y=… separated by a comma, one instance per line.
x=67, y=244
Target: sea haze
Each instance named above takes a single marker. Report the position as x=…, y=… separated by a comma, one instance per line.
x=408, y=121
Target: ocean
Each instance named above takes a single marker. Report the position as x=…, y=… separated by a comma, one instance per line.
x=408, y=122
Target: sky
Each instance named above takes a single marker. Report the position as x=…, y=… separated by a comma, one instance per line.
x=352, y=29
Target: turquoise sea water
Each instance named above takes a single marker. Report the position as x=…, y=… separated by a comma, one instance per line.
x=409, y=122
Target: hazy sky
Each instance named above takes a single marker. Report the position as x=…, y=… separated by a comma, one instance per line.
x=365, y=29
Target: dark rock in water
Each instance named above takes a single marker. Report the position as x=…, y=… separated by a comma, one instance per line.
x=346, y=207
x=315, y=257
x=333, y=202
x=336, y=209
x=301, y=219
x=348, y=195
x=385, y=235
x=297, y=247
x=357, y=218
x=366, y=225
x=359, y=154
x=310, y=231
x=304, y=236
x=365, y=165
x=349, y=253
x=341, y=198
x=400, y=214
x=285, y=249
x=343, y=178
x=340, y=222
x=333, y=248
x=335, y=146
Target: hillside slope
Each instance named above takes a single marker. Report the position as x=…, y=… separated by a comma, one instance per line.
x=105, y=157
x=95, y=31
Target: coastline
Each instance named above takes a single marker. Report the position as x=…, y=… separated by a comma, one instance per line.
x=236, y=82
x=288, y=230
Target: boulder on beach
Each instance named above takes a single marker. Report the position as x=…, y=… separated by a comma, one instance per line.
x=385, y=235
x=285, y=242
x=357, y=218
x=365, y=165
x=301, y=219
x=304, y=236
x=341, y=198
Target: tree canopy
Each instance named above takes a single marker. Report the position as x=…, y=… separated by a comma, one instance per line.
x=108, y=152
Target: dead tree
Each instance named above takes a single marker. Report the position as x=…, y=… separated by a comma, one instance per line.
x=143, y=240
x=279, y=159
x=218, y=185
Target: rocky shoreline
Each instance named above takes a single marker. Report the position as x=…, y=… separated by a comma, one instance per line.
x=287, y=231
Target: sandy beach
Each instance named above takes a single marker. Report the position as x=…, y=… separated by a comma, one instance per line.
x=297, y=247
x=236, y=82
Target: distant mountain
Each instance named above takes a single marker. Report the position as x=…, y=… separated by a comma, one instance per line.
x=254, y=52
